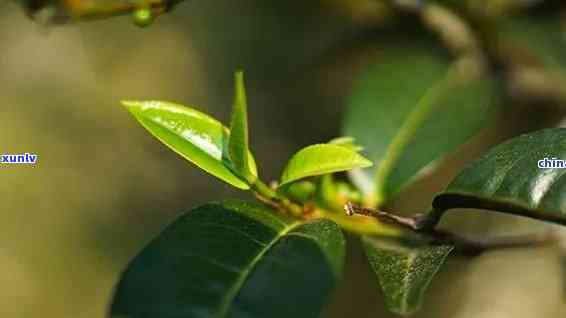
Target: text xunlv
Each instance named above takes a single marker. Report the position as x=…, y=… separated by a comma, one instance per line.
x=25, y=158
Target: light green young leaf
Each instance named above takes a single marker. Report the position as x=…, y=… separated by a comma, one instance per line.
x=302, y=191
x=195, y=136
x=348, y=142
x=322, y=159
x=238, y=143
x=237, y=260
x=404, y=272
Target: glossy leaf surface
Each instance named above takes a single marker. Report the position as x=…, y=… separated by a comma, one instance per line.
x=404, y=273
x=322, y=159
x=508, y=179
x=233, y=259
x=408, y=111
x=195, y=136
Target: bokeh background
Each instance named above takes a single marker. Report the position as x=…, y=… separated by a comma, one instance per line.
x=104, y=187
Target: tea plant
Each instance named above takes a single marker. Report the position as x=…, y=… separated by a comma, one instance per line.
x=282, y=255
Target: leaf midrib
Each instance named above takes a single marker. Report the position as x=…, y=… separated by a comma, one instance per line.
x=233, y=292
x=401, y=140
x=406, y=279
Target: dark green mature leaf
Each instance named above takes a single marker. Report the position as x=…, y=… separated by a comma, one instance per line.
x=238, y=143
x=405, y=272
x=508, y=179
x=322, y=159
x=233, y=260
x=408, y=111
x=195, y=136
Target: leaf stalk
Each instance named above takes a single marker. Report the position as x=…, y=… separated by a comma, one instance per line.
x=270, y=197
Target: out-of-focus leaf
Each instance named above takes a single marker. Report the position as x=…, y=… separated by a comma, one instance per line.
x=143, y=17
x=322, y=159
x=369, y=12
x=64, y=11
x=535, y=41
x=561, y=236
x=195, y=136
x=408, y=111
x=302, y=191
x=404, y=272
x=492, y=9
x=238, y=143
x=534, y=51
x=233, y=259
x=508, y=179
x=347, y=193
x=327, y=194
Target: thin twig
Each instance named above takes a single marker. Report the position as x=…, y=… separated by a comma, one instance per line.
x=410, y=222
x=269, y=202
x=463, y=244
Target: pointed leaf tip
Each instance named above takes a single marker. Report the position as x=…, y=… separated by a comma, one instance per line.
x=130, y=104
x=195, y=136
x=238, y=143
x=405, y=272
x=240, y=97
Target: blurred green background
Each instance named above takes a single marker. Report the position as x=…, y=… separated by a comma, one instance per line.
x=104, y=187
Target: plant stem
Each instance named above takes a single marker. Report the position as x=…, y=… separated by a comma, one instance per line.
x=264, y=190
x=453, y=30
x=414, y=223
x=464, y=244
x=267, y=195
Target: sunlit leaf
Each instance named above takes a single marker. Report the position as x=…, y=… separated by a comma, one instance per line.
x=195, y=136
x=233, y=260
x=301, y=191
x=322, y=159
x=348, y=142
x=508, y=179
